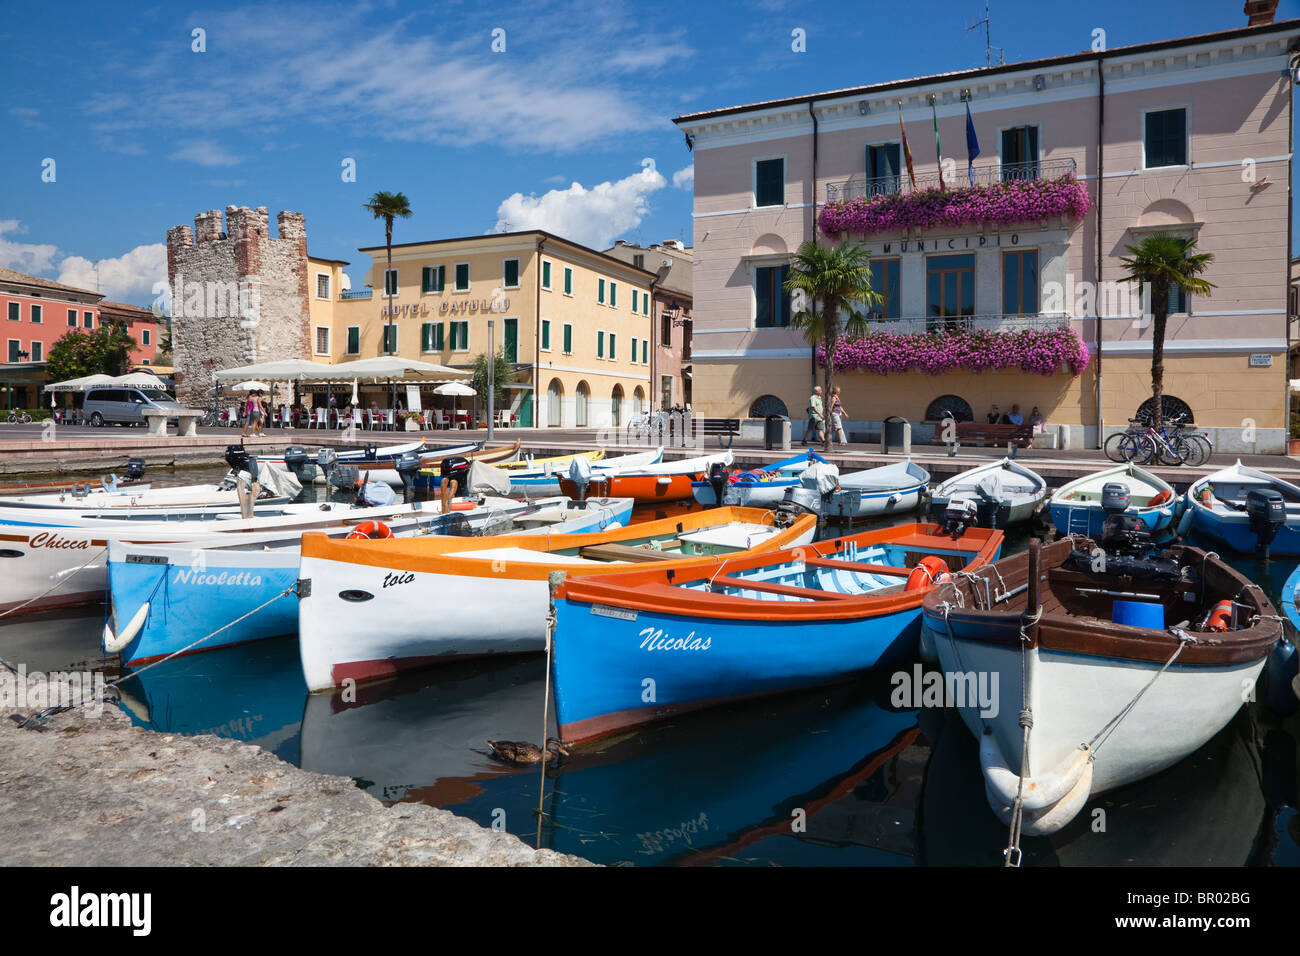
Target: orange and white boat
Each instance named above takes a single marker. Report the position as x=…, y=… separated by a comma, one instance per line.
x=666, y=481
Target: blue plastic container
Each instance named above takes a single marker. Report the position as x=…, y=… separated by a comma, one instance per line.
x=1139, y=614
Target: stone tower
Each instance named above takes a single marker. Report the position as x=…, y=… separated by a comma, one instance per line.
x=238, y=296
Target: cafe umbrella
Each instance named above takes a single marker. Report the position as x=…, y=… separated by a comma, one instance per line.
x=454, y=389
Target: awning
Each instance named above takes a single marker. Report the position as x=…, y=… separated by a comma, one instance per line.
x=398, y=369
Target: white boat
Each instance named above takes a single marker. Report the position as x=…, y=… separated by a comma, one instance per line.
x=1131, y=666
x=212, y=496
x=545, y=479
x=999, y=493
x=1217, y=506
x=1077, y=506
x=889, y=489
x=379, y=607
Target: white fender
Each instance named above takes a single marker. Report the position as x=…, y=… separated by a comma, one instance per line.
x=1185, y=523
x=1049, y=819
x=1039, y=792
x=114, y=645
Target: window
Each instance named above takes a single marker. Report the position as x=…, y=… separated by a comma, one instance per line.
x=1177, y=300
x=638, y=260
x=433, y=279
x=645, y=351
x=600, y=344
x=390, y=282
x=950, y=288
x=460, y=336
x=72, y=317
x=1020, y=282
x=884, y=279
x=431, y=337
x=769, y=182
x=665, y=330
x=390, y=339
x=773, y=302
x=462, y=277
x=546, y=274
x=600, y=291
x=1166, y=138
x=1019, y=153
x=322, y=285
x=322, y=340
x=36, y=314
x=568, y=339
x=568, y=281
x=15, y=313
x=354, y=340
x=144, y=336
x=37, y=353
x=510, y=335
x=613, y=346
x=546, y=335
x=635, y=293
x=645, y=303
x=613, y=295
x=882, y=168
x=14, y=348
x=666, y=391
x=88, y=319
x=510, y=274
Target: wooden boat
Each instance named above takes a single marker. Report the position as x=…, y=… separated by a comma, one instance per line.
x=999, y=493
x=165, y=597
x=1122, y=676
x=750, y=625
x=758, y=487
x=545, y=466
x=379, y=607
x=1219, y=506
x=666, y=481
x=1077, y=507
x=546, y=479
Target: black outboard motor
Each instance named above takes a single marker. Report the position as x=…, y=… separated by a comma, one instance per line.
x=343, y=477
x=327, y=460
x=1115, y=497
x=718, y=482
x=370, y=453
x=456, y=468
x=1125, y=534
x=1266, y=509
x=237, y=458
x=299, y=462
x=134, y=469
x=408, y=466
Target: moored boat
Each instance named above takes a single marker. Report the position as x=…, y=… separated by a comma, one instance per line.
x=751, y=625
x=757, y=487
x=544, y=477
x=379, y=607
x=890, y=489
x=665, y=481
x=1081, y=506
x=999, y=493
x=1247, y=509
x=1131, y=662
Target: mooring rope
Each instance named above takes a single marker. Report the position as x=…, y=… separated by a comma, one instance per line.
x=1011, y=855
x=57, y=584
x=1112, y=725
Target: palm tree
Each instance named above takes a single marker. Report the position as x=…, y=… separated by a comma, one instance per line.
x=1166, y=262
x=388, y=206
x=839, y=279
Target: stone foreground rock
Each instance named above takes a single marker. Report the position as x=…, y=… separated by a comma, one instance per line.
x=97, y=791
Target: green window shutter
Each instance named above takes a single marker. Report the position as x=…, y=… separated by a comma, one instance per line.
x=613, y=295
x=600, y=344
x=568, y=339
x=511, y=273
x=546, y=334
x=546, y=275
x=464, y=334
x=390, y=282
x=426, y=279
x=426, y=337
x=645, y=351
x=613, y=346
x=439, y=278
x=437, y=338
x=600, y=291
x=511, y=343
x=568, y=281
x=354, y=341
x=635, y=294
x=462, y=277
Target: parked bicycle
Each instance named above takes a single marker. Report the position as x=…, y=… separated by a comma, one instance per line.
x=1172, y=444
x=16, y=417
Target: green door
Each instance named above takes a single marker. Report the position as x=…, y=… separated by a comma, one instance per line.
x=511, y=344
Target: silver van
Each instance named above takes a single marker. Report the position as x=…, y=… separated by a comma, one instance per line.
x=125, y=406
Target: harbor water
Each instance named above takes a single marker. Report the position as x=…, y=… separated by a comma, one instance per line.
x=831, y=776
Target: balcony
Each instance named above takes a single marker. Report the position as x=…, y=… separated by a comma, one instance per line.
x=985, y=322
x=365, y=293
x=860, y=187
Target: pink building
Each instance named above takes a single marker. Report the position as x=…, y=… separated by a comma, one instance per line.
x=1079, y=157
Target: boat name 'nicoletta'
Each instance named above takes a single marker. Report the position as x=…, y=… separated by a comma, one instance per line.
x=48, y=539
x=655, y=641
x=242, y=579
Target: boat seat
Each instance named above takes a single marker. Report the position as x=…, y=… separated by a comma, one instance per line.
x=744, y=584
x=624, y=552
x=832, y=565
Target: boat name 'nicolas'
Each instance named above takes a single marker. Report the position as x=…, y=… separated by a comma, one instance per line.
x=241, y=579
x=48, y=539
x=655, y=641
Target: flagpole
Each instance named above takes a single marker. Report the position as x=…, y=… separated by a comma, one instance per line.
x=907, y=153
x=938, y=149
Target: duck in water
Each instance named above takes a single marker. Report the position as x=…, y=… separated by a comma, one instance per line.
x=522, y=752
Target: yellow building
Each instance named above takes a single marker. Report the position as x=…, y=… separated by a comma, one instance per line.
x=574, y=323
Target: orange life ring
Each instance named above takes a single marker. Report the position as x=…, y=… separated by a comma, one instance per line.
x=1220, y=617
x=931, y=569
x=370, y=530
x=1161, y=498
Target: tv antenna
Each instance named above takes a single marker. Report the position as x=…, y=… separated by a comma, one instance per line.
x=989, y=49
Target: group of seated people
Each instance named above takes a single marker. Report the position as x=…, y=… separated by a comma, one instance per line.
x=1016, y=417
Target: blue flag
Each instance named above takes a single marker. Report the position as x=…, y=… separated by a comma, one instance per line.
x=972, y=146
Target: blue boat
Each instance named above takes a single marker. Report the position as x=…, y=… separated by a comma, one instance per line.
x=758, y=487
x=1077, y=507
x=1216, y=507
x=644, y=645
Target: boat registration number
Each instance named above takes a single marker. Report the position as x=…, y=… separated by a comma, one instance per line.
x=604, y=610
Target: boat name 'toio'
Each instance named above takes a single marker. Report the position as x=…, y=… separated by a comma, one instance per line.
x=48, y=539
x=655, y=641
x=241, y=579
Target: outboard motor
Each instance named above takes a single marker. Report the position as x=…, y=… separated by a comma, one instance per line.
x=327, y=460
x=1266, y=509
x=959, y=514
x=343, y=477
x=408, y=466
x=456, y=468
x=1125, y=534
x=134, y=469
x=1115, y=497
x=237, y=457
x=299, y=462
x=580, y=475
x=718, y=482
x=370, y=453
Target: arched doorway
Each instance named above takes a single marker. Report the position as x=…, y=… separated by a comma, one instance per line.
x=616, y=406
x=946, y=405
x=768, y=405
x=580, y=404
x=1171, y=408
x=554, y=404
x=638, y=402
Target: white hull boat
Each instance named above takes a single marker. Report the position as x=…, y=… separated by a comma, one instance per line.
x=1000, y=493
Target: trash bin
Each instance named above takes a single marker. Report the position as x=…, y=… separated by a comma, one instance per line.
x=896, y=435
x=776, y=432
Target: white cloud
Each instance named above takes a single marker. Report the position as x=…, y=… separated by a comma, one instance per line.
x=684, y=178
x=29, y=257
x=122, y=279
x=593, y=217
x=205, y=153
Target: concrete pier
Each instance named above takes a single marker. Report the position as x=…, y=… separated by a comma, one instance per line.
x=93, y=790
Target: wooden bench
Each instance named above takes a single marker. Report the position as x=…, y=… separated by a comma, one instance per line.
x=624, y=552
x=721, y=428
x=977, y=433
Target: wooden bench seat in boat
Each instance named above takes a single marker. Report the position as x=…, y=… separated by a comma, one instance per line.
x=769, y=587
x=832, y=565
x=625, y=552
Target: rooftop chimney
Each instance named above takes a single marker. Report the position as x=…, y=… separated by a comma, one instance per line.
x=619, y=242
x=1260, y=12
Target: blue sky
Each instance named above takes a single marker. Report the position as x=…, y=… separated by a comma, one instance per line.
x=569, y=128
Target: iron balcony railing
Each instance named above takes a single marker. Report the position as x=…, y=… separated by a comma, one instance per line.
x=986, y=322
x=365, y=293
x=860, y=186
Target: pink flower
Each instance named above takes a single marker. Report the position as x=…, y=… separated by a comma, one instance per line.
x=934, y=353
